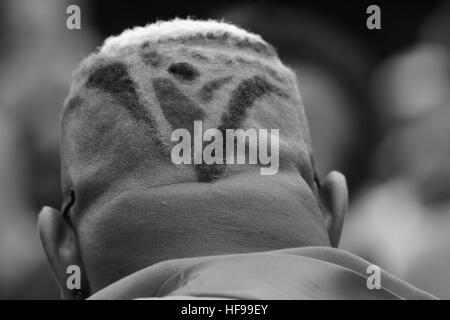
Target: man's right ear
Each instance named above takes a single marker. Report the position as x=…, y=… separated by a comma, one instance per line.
x=59, y=241
x=334, y=199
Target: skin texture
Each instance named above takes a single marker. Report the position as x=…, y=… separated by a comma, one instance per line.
x=227, y=217
x=127, y=206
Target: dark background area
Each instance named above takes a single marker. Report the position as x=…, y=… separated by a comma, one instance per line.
x=400, y=19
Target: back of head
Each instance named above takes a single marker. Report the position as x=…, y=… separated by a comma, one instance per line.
x=127, y=98
x=129, y=205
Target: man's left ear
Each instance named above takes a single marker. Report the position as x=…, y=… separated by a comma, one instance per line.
x=60, y=245
x=333, y=194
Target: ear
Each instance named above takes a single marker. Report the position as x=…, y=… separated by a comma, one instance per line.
x=59, y=241
x=334, y=199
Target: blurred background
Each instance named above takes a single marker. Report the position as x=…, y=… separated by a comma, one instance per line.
x=378, y=103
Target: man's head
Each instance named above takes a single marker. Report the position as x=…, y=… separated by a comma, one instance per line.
x=127, y=205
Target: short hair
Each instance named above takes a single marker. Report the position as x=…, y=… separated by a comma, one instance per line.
x=128, y=96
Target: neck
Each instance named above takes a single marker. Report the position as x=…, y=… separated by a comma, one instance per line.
x=200, y=219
